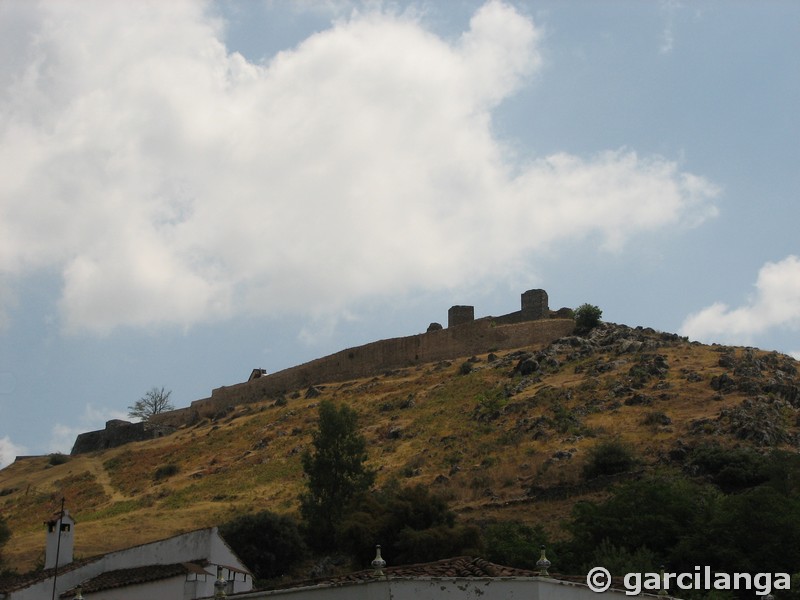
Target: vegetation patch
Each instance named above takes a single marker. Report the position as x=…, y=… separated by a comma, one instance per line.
x=609, y=457
x=166, y=471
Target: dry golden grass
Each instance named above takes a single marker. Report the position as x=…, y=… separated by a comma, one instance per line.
x=462, y=435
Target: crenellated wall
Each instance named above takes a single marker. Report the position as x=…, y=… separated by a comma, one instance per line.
x=532, y=325
x=480, y=336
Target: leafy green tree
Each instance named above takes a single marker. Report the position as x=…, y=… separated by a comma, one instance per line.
x=731, y=469
x=268, y=543
x=756, y=530
x=515, y=544
x=153, y=402
x=335, y=473
x=656, y=513
x=411, y=524
x=587, y=317
x=436, y=543
x=619, y=560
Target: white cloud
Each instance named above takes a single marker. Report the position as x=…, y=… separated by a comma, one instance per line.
x=669, y=8
x=172, y=182
x=9, y=451
x=775, y=304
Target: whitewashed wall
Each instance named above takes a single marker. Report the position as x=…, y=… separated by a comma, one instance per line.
x=506, y=588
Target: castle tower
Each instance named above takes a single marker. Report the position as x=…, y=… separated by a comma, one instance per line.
x=534, y=305
x=59, y=527
x=458, y=315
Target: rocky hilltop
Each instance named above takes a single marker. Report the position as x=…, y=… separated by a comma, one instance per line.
x=501, y=434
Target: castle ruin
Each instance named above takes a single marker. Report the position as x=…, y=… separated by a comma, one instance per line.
x=533, y=324
x=116, y=433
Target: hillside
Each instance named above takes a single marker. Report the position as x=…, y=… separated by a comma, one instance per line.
x=501, y=436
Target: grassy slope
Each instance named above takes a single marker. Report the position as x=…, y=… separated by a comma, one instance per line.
x=462, y=434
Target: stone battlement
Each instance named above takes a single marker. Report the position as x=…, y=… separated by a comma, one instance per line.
x=533, y=324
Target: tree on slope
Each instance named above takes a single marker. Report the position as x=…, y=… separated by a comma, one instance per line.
x=153, y=402
x=335, y=473
x=587, y=317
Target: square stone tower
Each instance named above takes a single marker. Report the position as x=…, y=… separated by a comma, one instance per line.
x=458, y=315
x=534, y=305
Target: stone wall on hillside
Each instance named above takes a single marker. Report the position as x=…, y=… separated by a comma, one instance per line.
x=363, y=361
x=533, y=324
x=116, y=433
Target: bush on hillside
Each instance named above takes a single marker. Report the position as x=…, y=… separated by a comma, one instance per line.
x=732, y=469
x=587, y=317
x=268, y=543
x=411, y=524
x=57, y=458
x=609, y=457
x=165, y=471
x=657, y=513
x=514, y=544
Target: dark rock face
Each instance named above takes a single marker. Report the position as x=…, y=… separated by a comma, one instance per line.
x=117, y=433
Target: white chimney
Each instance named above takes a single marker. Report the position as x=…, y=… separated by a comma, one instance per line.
x=60, y=540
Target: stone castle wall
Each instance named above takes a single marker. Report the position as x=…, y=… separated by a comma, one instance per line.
x=483, y=335
x=117, y=433
x=533, y=324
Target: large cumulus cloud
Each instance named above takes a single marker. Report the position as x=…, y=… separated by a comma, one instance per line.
x=170, y=181
x=773, y=306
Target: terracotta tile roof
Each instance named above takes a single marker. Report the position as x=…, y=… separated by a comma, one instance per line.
x=13, y=582
x=136, y=575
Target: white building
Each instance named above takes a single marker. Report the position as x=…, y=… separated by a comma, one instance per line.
x=455, y=578
x=182, y=567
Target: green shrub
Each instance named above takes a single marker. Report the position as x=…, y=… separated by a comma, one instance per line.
x=731, y=469
x=513, y=544
x=268, y=543
x=619, y=560
x=656, y=418
x=58, y=459
x=587, y=317
x=165, y=471
x=609, y=458
x=490, y=405
x=656, y=513
x=411, y=525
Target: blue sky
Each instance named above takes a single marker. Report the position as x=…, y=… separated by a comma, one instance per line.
x=192, y=190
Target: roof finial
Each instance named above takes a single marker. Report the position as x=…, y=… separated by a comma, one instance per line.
x=220, y=585
x=543, y=564
x=662, y=591
x=378, y=563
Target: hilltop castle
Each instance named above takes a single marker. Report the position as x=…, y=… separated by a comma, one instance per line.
x=464, y=335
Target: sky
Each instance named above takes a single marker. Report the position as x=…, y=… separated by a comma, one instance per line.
x=190, y=190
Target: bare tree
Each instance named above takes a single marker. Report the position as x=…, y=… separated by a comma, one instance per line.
x=153, y=402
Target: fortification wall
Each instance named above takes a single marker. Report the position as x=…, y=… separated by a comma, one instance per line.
x=476, y=337
x=117, y=433
x=533, y=324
